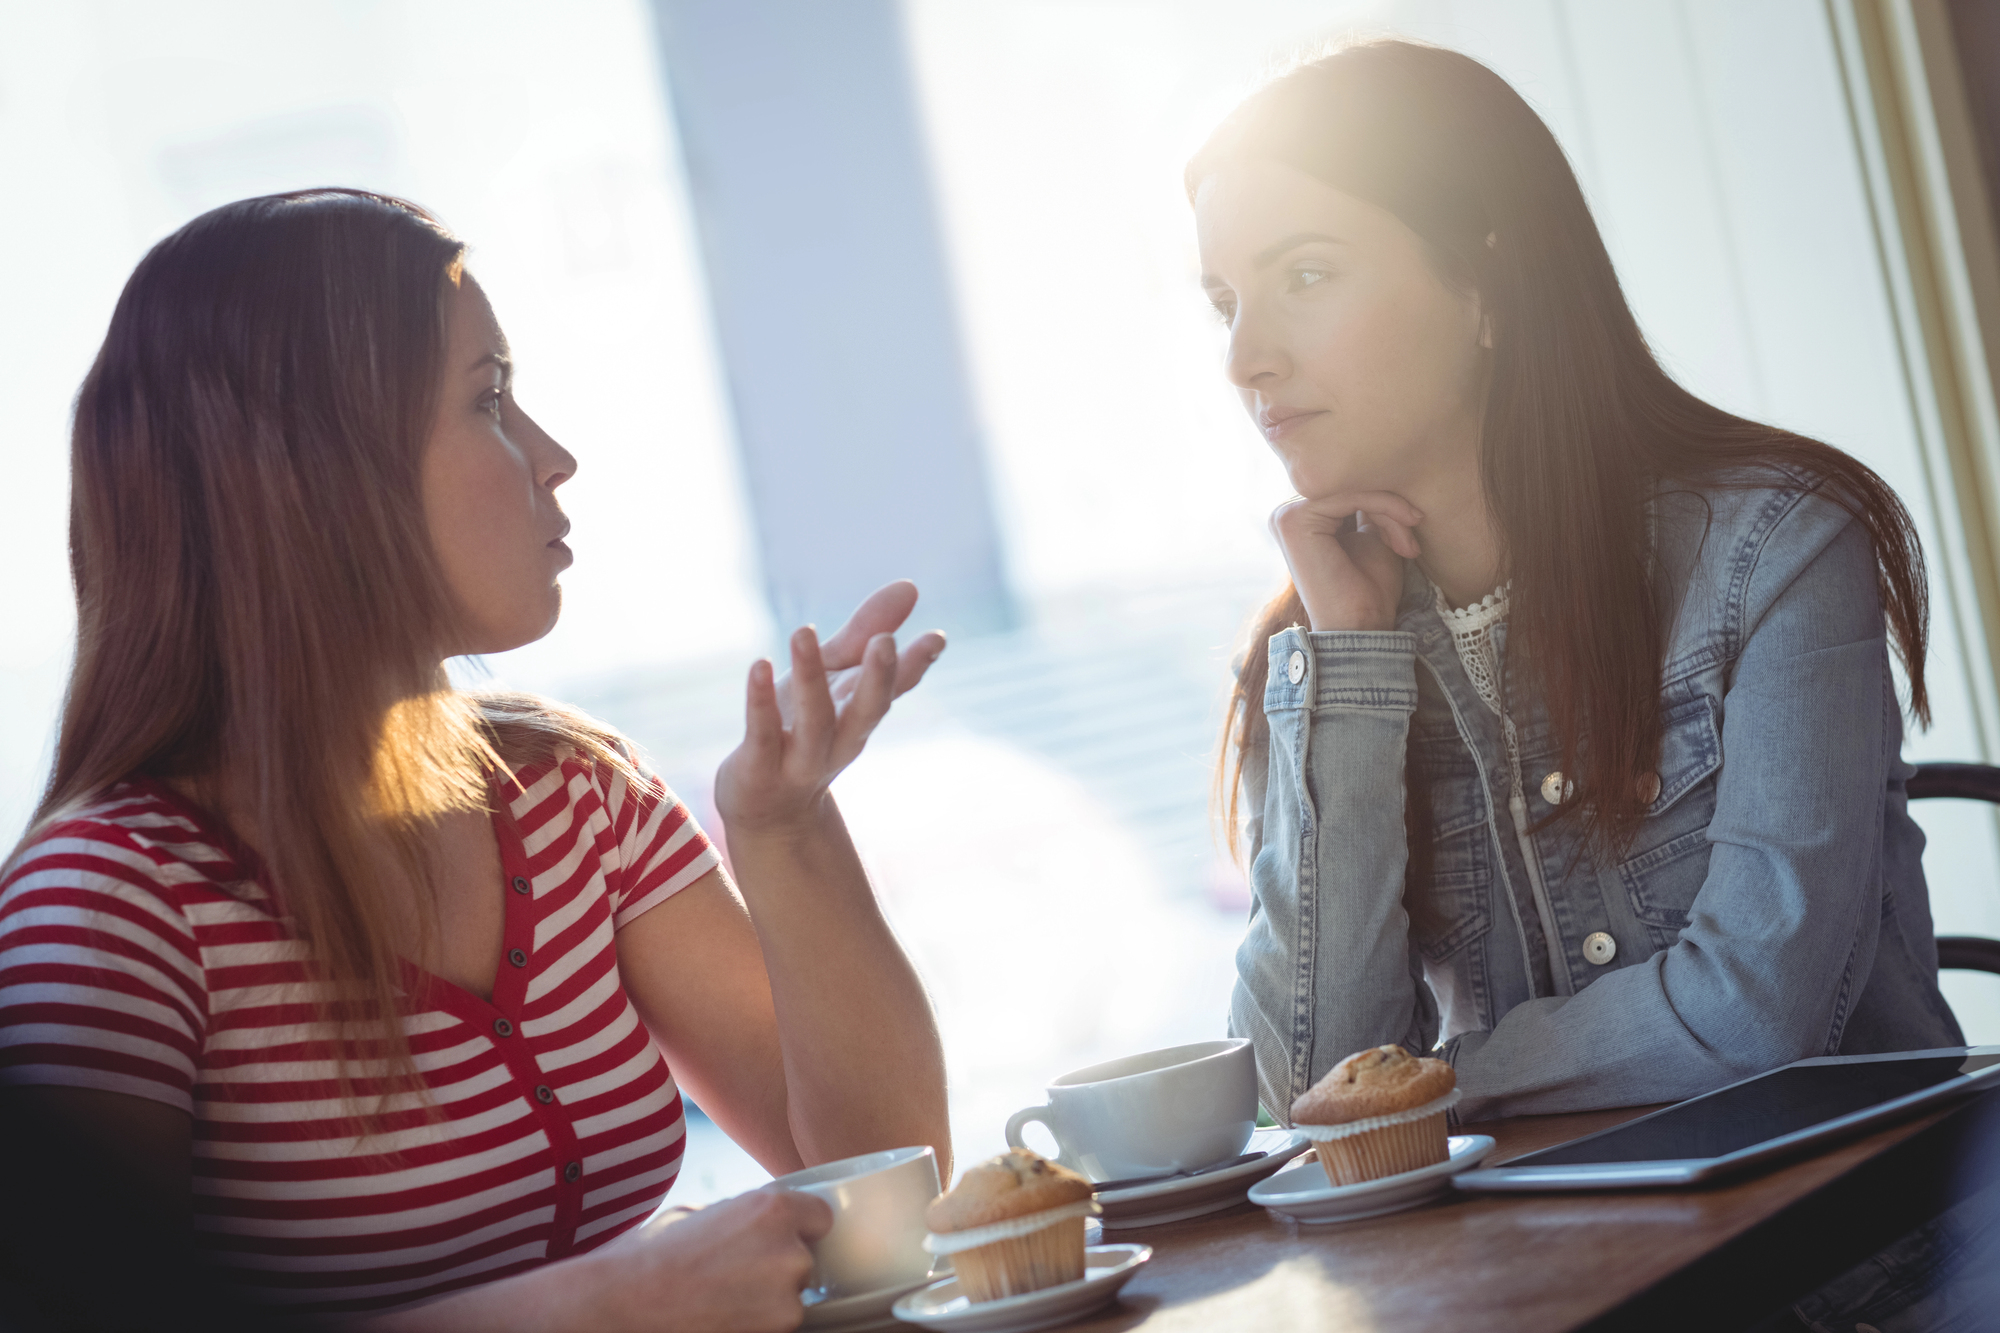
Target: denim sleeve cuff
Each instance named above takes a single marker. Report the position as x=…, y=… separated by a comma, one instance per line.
x=1344, y=669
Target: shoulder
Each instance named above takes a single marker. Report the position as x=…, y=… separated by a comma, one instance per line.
x=132, y=853
x=110, y=906
x=1725, y=550
x=618, y=812
x=616, y=786
x=106, y=918
x=1732, y=517
x=571, y=771
x=551, y=747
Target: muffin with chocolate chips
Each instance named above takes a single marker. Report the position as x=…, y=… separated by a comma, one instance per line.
x=1376, y=1113
x=1011, y=1225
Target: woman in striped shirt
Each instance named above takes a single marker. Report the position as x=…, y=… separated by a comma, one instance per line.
x=389, y=988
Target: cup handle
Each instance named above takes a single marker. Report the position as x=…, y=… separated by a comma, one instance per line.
x=1038, y=1115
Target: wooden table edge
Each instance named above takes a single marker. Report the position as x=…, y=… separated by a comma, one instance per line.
x=1787, y=1230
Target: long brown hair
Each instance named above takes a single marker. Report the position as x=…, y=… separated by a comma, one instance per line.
x=1580, y=418
x=259, y=608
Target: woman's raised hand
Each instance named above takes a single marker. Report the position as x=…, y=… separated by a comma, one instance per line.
x=1349, y=575
x=883, y=612
x=803, y=729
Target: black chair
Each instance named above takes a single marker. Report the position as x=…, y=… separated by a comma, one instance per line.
x=1966, y=782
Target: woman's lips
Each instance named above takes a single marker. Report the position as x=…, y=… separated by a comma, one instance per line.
x=1277, y=425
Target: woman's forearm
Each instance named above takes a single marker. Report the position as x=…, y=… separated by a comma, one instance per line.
x=735, y=1264
x=864, y=1068
x=1327, y=967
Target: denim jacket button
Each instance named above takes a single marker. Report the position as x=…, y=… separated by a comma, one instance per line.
x=1296, y=668
x=1599, y=947
x=1556, y=788
x=1649, y=788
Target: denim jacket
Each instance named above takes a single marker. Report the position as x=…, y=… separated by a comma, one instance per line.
x=1772, y=906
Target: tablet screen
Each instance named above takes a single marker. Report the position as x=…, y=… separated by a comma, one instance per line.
x=1778, y=1103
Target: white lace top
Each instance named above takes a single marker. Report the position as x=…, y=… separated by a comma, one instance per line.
x=1472, y=635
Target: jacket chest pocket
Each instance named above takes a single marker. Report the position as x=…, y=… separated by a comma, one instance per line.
x=1449, y=898
x=1664, y=875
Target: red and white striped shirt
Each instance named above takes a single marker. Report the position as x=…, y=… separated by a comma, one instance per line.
x=138, y=956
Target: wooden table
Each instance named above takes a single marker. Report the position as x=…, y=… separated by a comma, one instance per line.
x=1708, y=1259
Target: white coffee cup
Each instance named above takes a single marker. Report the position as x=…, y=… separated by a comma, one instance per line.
x=878, y=1201
x=1152, y=1114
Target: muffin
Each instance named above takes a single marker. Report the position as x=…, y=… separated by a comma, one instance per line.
x=1376, y=1113
x=1012, y=1225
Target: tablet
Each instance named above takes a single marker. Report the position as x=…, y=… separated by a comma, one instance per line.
x=1805, y=1105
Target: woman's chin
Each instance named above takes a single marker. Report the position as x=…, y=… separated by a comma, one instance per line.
x=1321, y=483
x=1319, y=486
x=505, y=639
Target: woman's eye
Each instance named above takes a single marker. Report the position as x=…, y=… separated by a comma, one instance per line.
x=1303, y=278
x=1224, y=311
x=492, y=405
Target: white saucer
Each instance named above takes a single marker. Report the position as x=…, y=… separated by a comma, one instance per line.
x=1303, y=1193
x=1191, y=1196
x=1106, y=1268
x=862, y=1310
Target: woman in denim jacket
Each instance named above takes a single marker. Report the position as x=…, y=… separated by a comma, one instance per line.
x=1630, y=825
x=1573, y=754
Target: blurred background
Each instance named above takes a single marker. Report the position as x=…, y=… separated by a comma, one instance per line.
x=827, y=292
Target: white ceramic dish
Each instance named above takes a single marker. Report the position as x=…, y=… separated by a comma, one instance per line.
x=865, y=1310
x=1106, y=1268
x=1191, y=1196
x=1303, y=1192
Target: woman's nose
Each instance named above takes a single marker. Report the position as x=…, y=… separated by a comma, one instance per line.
x=561, y=468
x=1254, y=359
x=553, y=464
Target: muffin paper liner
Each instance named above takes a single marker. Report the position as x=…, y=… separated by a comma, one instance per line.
x=1329, y=1133
x=1388, y=1151
x=1048, y=1256
x=1012, y=1228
